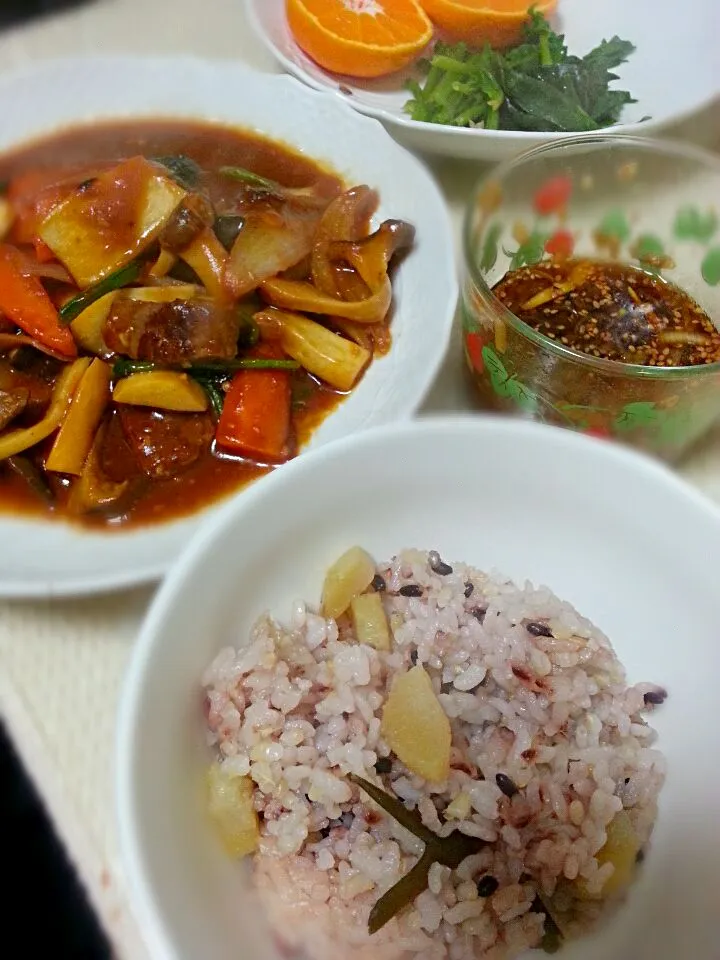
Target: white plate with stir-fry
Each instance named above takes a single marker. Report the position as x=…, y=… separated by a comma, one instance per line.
x=203, y=272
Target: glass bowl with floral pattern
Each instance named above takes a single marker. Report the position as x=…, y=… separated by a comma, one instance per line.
x=608, y=201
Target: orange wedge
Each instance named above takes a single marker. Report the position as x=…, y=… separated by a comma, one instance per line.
x=497, y=22
x=359, y=38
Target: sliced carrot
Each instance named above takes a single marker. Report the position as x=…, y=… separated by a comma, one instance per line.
x=255, y=421
x=25, y=301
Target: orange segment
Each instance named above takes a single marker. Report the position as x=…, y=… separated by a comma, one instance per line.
x=497, y=22
x=359, y=38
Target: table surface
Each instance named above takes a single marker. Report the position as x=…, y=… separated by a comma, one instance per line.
x=62, y=662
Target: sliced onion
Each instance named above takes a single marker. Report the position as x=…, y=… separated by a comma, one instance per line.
x=369, y=256
x=375, y=337
x=46, y=271
x=11, y=341
x=269, y=243
x=360, y=333
x=346, y=218
x=350, y=284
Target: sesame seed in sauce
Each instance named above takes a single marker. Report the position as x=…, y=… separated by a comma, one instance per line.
x=612, y=311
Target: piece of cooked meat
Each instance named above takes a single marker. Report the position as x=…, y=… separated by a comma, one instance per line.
x=36, y=389
x=178, y=332
x=116, y=455
x=165, y=444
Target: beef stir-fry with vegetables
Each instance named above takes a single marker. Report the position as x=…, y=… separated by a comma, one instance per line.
x=180, y=306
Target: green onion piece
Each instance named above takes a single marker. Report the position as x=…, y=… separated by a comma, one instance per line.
x=224, y=368
x=249, y=334
x=450, y=851
x=215, y=395
x=114, y=281
x=400, y=895
x=220, y=370
x=552, y=939
x=124, y=368
x=409, y=819
x=247, y=176
x=305, y=194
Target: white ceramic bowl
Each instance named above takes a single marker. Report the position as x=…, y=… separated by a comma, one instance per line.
x=53, y=558
x=663, y=31
x=616, y=534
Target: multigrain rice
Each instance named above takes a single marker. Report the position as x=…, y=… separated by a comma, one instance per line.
x=549, y=744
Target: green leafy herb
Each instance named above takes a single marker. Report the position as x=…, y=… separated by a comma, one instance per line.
x=182, y=169
x=114, y=281
x=449, y=851
x=536, y=86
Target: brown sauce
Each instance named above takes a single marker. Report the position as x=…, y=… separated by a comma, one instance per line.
x=612, y=311
x=211, y=476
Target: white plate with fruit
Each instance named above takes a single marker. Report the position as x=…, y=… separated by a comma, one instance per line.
x=657, y=66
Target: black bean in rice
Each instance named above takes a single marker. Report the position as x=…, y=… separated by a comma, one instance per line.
x=411, y=590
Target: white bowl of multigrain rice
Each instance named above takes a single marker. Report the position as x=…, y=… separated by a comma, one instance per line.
x=551, y=736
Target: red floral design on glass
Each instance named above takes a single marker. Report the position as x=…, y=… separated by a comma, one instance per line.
x=553, y=195
x=600, y=433
x=560, y=244
x=474, y=345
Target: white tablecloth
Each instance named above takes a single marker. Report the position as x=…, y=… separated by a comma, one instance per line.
x=62, y=663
